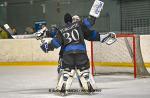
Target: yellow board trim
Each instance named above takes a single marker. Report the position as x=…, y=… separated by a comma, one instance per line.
x=112, y=64
x=147, y=64
x=117, y=64
x=28, y=63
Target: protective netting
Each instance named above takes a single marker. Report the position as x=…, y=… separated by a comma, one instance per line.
x=122, y=57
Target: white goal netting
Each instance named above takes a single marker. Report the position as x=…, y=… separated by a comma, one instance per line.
x=122, y=57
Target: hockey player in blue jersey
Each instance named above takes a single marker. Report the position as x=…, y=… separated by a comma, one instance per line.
x=71, y=38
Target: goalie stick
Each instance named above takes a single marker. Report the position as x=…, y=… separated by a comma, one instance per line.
x=2, y=29
x=34, y=35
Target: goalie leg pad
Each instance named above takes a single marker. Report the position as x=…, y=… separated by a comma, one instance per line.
x=87, y=80
x=65, y=80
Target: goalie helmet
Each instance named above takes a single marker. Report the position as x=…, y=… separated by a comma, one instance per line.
x=75, y=18
x=68, y=18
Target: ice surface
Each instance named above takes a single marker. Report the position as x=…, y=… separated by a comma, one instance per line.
x=34, y=82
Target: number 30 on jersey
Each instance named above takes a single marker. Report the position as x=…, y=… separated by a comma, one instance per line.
x=72, y=36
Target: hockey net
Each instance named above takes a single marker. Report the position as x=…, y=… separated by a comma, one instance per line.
x=122, y=57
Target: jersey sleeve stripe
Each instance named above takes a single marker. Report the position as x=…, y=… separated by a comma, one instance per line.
x=87, y=23
x=56, y=43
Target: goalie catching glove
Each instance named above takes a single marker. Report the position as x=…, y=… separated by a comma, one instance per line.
x=46, y=46
x=108, y=38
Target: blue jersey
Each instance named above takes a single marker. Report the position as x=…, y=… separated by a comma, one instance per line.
x=71, y=37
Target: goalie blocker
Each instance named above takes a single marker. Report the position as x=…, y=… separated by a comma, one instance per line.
x=96, y=8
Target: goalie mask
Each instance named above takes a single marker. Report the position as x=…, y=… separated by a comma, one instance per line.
x=75, y=18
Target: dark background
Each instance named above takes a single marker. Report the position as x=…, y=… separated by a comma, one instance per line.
x=130, y=16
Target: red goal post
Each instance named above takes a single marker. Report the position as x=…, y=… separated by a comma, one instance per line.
x=133, y=54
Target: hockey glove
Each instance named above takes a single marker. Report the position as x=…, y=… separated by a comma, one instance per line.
x=41, y=33
x=96, y=8
x=53, y=31
x=108, y=38
x=44, y=47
